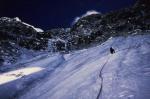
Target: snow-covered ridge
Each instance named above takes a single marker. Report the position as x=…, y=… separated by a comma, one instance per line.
x=37, y=29
x=17, y=19
x=91, y=12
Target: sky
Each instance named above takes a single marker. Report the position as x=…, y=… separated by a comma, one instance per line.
x=48, y=14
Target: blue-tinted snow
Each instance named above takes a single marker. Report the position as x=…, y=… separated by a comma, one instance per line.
x=81, y=74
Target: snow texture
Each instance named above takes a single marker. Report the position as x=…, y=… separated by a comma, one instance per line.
x=91, y=73
x=37, y=29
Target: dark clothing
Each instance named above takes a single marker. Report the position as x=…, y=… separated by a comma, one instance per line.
x=112, y=51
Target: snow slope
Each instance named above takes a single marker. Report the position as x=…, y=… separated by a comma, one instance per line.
x=12, y=82
x=90, y=73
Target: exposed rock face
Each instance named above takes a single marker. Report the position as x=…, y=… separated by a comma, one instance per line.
x=98, y=27
x=21, y=34
x=15, y=35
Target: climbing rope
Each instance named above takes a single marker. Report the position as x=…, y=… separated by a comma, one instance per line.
x=100, y=73
x=100, y=76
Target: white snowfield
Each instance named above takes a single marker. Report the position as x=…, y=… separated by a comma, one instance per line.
x=87, y=74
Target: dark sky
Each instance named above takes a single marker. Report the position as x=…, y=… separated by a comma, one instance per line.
x=48, y=14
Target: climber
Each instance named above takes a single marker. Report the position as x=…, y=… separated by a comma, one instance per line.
x=112, y=51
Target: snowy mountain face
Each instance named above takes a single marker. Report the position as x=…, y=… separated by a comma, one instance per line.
x=97, y=28
x=85, y=69
x=90, y=30
x=19, y=38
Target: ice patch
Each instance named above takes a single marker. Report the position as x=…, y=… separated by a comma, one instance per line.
x=16, y=74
